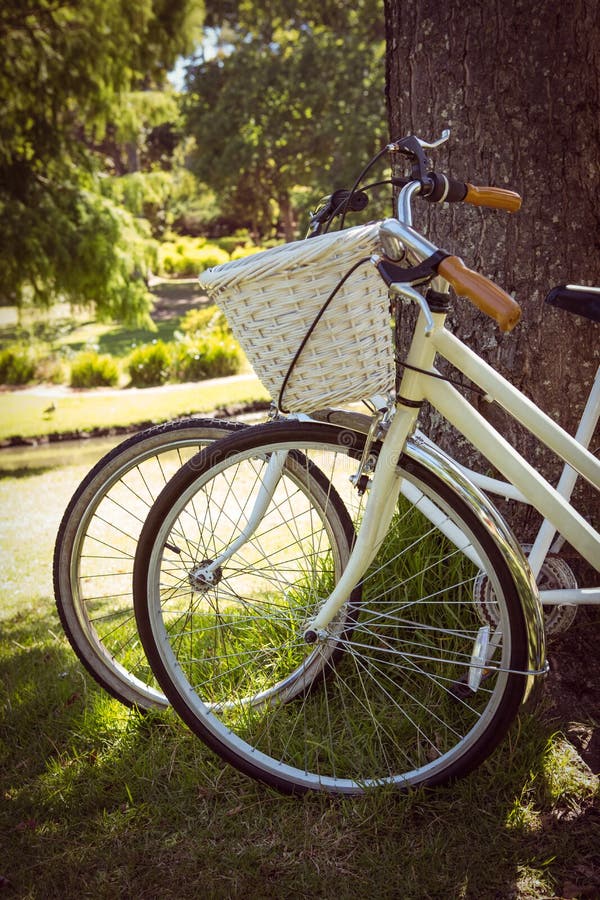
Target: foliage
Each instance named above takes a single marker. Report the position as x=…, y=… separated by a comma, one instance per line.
x=64, y=70
x=192, y=358
x=205, y=318
x=231, y=242
x=290, y=100
x=162, y=191
x=91, y=369
x=189, y=256
x=207, y=356
x=150, y=364
x=17, y=364
x=247, y=250
x=70, y=242
x=144, y=194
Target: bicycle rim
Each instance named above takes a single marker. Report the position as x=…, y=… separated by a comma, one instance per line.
x=420, y=691
x=95, y=548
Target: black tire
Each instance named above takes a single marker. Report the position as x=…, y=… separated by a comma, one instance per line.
x=414, y=698
x=93, y=591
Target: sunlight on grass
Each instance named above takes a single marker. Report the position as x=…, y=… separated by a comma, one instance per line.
x=100, y=801
x=24, y=412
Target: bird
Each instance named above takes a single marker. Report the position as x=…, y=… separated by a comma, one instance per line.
x=50, y=410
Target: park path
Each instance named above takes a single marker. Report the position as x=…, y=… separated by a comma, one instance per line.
x=62, y=390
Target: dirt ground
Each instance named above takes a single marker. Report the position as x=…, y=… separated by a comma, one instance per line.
x=572, y=688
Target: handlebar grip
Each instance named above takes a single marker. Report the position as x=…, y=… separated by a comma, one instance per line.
x=486, y=295
x=496, y=198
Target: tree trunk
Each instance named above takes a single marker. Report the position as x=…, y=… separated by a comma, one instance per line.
x=286, y=216
x=519, y=86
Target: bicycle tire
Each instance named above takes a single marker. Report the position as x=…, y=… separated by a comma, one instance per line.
x=408, y=701
x=115, y=658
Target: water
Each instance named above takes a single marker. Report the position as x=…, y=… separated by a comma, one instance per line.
x=20, y=461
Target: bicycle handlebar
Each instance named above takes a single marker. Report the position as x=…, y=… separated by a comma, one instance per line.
x=486, y=295
x=439, y=188
x=494, y=197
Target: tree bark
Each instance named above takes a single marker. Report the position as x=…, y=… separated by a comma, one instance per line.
x=519, y=86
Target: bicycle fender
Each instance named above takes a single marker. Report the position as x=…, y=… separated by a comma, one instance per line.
x=445, y=468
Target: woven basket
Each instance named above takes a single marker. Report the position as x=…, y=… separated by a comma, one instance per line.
x=272, y=298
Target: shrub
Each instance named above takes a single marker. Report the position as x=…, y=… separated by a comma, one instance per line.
x=205, y=319
x=230, y=242
x=189, y=256
x=150, y=364
x=210, y=356
x=91, y=369
x=247, y=250
x=17, y=364
x=53, y=368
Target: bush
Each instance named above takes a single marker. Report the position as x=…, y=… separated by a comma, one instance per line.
x=205, y=319
x=247, y=250
x=150, y=364
x=189, y=256
x=17, y=364
x=211, y=356
x=230, y=242
x=53, y=368
x=90, y=369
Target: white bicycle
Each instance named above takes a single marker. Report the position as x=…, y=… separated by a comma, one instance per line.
x=405, y=660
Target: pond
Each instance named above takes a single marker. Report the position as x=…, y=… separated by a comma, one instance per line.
x=23, y=461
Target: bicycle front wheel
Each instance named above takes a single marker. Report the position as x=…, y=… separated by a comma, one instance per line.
x=95, y=547
x=415, y=690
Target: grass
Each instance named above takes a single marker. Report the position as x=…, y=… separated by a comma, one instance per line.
x=98, y=801
x=41, y=412
x=118, y=341
x=33, y=414
x=57, y=335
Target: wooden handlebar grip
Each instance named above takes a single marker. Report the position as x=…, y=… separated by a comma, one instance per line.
x=486, y=295
x=496, y=198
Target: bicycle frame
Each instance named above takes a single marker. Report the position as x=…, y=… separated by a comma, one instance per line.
x=431, y=339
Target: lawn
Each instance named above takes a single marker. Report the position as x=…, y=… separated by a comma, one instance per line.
x=32, y=413
x=41, y=411
x=100, y=801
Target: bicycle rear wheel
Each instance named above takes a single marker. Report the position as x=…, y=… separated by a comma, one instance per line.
x=420, y=692
x=95, y=547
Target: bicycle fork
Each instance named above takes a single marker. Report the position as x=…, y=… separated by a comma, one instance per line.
x=381, y=504
x=387, y=480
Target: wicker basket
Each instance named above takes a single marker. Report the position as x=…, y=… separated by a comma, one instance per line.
x=272, y=298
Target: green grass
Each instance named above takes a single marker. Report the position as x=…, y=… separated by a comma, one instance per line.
x=98, y=801
x=114, y=339
x=62, y=331
x=25, y=413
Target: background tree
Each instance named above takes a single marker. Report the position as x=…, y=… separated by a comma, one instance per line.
x=64, y=69
x=294, y=97
x=520, y=88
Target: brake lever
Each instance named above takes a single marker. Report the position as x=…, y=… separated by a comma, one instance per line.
x=435, y=144
x=414, y=148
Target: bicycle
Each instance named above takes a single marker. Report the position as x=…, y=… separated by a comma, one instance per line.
x=408, y=667
x=94, y=551
x=95, y=544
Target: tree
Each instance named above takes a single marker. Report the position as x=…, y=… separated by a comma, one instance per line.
x=289, y=101
x=64, y=69
x=520, y=88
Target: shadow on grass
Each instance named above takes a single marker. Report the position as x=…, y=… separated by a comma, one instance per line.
x=99, y=800
x=121, y=341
